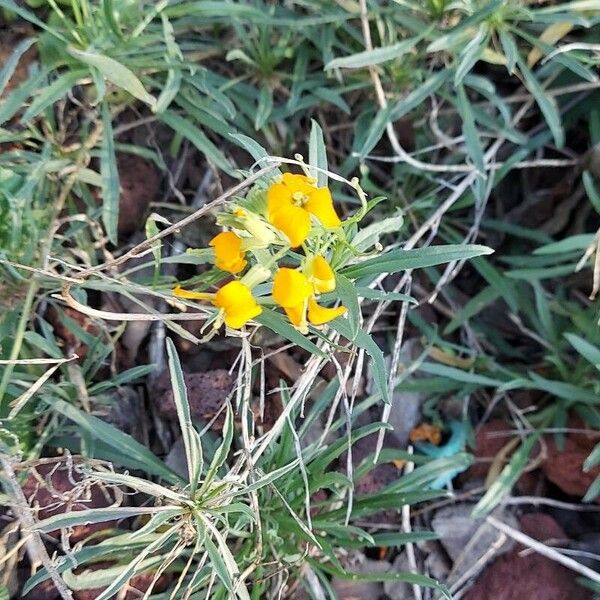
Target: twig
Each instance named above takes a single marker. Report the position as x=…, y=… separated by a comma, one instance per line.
x=535, y=500
x=403, y=156
x=544, y=550
x=478, y=564
x=147, y=244
x=524, y=164
x=387, y=409
x=410, y=548
x=35, y=547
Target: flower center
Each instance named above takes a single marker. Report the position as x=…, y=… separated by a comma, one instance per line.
x=299, y=199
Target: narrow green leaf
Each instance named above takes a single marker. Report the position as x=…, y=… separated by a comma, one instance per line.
x=346, y=292
x=469, y=129
x=593, y=490
x=94, y=515
x=400, y=260
x=108, y=10
x=369, y=294
x=317, y=154
x=507, y=478
x=593, y=459
x=546, y=103
x=368, y=236
x=459, y=375
x=511, y=52
x=402, y=108
x=252, y=147
x=590, y=188
x=14, y=101
x=577, y=242
x=110, y=177
x=10, y=65
x=47, y=96
x=376, y=56
x=222, y=451
x=470, y=54
x=191, y=439
x=279, y=325
x=411, y=578
x=474, y=306
x=174, y=76
x=195, y=135
x=363, y=340
x=130, y=452
x=264, y=108
x=590, y=352
x=115, y=72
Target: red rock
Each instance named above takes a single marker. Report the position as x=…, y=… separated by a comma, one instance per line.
x=530, y=576
x=139, y=182
x=11, y=36
x=564, y=467
x=58, y=489
x=70, y=342
x=207, y=392
x=541, y=527
x=487, y=446
x=43, y=591
x=586, y=441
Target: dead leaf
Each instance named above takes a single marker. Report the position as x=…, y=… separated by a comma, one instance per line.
x=552, y=34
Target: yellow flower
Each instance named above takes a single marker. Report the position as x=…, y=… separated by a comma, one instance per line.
x=290, y=287
x=235, y=301
x=293, y=200
x=228, y=252
x=320, y=274
x=319, y=315
x=293, y=291
x=181, y=293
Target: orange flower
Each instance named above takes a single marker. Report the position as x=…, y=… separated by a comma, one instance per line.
x=320, y=274
x=235, y=301
x=319, y=315
x=293, y=200
x=229, y=256
x=293, y=291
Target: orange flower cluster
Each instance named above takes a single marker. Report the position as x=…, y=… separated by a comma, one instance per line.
x=295, y=206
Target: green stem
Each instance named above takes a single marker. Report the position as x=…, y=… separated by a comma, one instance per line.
x=16, y=348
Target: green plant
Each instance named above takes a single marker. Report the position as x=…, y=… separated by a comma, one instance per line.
x=232, y=530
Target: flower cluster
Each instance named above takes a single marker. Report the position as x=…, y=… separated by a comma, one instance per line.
x=291, y=213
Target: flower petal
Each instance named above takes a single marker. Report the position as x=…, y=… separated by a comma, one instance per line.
x=228, y=252
x=299, y=183
x=319, y=315
x=297, y=316
x=320, y=204
x=321, y=275
x=279, y=196
x=290, y=287
x=239, y=318
x=293, y=222
x=237, y=302
x=181, y=293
